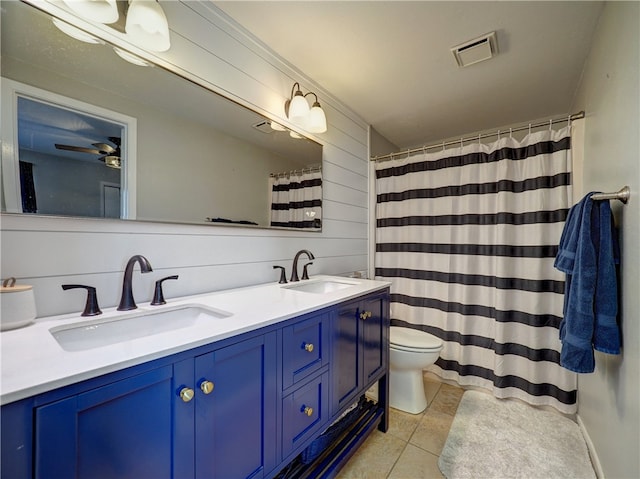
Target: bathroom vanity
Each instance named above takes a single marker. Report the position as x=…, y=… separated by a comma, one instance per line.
x=239, y=394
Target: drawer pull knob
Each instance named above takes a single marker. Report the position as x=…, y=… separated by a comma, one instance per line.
x=186, y=394
x=308, y=347
x=365, y=315
x=308, y=410
x=206, y=387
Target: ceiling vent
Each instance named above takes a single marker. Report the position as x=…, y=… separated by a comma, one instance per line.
x=476, y=50
x=263, y=126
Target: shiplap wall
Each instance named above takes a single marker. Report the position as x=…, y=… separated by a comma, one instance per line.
x=206, y=45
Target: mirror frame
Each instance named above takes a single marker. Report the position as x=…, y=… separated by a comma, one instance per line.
x=11, y=91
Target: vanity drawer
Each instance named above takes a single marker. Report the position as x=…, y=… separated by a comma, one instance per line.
x=304, y=412
x=304, y=348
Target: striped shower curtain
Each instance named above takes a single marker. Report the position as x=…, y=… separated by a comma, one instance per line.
x=468, y=236
x=296, y=199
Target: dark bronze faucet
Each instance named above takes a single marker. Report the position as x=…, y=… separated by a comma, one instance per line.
x=126, y=301
x=294, y=273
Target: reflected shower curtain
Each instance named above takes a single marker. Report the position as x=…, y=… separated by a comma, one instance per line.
x=296, y=199
x=468, y=236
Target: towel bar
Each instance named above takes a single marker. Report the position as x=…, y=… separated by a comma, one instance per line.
x=622, y=195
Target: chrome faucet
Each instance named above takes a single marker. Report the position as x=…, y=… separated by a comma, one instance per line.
x=294, y=273
x=126, y=300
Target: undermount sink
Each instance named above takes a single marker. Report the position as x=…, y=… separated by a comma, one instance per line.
x=319, y=286
x=139, y=324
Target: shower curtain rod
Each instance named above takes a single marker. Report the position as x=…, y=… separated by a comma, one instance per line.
x=442, y=144
x=310, y=169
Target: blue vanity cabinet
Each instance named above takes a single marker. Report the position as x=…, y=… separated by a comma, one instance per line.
x=359, y=347
x=242, y=407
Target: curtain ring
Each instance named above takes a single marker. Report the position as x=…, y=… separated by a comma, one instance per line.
x=569, y=120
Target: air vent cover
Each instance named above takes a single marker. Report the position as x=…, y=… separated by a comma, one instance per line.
x=263, y=126
x=476, y=50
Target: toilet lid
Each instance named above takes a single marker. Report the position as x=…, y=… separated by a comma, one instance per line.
x=413, y=338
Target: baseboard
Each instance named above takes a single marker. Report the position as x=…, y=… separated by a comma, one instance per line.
x=595, y=461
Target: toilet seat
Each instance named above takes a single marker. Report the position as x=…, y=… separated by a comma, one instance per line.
x=408, y=339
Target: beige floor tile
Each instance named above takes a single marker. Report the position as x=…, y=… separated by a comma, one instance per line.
x=375, y=458
x=431, y=388
x=432, y=432
x=447, y=399
x=402, y=424
x=416, y=463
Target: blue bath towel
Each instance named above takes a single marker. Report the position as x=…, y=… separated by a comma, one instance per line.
x=587, y=254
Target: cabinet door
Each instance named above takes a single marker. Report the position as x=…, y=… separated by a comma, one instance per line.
x=122, y=430
x=345, y=358
x=235, y=422
x=359, y=347
x=373, y=321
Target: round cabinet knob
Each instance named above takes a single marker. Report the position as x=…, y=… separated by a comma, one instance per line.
x=308, y=347
x=186, y=394
x=308, y=410
x=206, y=387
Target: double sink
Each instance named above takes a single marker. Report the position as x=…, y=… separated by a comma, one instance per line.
x=142, y=323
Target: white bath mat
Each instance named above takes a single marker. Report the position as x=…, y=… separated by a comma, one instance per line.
x=496, y=438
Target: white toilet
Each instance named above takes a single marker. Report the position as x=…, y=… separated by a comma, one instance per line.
x=411, y=351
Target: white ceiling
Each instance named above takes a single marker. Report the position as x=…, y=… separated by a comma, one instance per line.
x=390, y=61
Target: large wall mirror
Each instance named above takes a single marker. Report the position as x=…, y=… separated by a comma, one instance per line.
x=86, y=133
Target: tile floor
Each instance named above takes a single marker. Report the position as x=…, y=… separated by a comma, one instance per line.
x=411, y=446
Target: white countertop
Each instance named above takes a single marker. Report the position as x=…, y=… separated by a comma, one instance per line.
x=33, y=362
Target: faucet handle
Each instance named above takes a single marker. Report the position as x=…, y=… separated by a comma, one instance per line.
x=158, y=296
x=305, y=274
x=91, y=307
x=283, y=274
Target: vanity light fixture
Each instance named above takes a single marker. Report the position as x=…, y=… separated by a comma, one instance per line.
x=147, y=25
x=297, y=110
x=101, y=11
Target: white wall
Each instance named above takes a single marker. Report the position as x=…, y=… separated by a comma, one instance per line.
x=609, y=399
x=47, y=252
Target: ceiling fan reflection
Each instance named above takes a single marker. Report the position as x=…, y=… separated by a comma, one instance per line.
x=110, y=154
